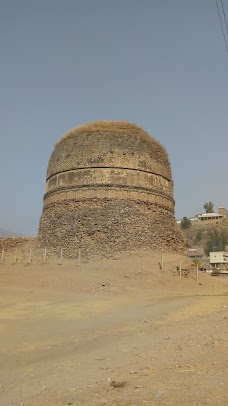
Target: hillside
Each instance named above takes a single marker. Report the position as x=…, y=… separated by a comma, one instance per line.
x=199, y=232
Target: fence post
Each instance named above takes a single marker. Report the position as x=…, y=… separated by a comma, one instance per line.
x=15, y=256
x=162, y=260
x=2, y=257
x=61, y=256
x=45, y=254
x=30, y=256
x=197, y=272
x=180, y=269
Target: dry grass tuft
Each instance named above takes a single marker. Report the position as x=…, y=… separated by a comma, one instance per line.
x=115, y=127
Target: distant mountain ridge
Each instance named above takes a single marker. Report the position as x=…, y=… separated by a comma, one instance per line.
x=6, y=233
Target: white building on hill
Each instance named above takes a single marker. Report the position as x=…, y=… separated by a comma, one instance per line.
x=218, y=258
x=221, y=214
x=198, y=218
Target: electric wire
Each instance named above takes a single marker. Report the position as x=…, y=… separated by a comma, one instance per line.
x=222, y=26
x=224, y=16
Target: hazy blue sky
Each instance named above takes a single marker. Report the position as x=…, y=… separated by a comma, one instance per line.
x=161, y=64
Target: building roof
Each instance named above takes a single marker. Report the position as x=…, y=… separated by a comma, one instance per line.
x=193, y=252
x=210, y=215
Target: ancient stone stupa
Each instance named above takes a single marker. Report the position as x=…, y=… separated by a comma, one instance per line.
x=109, y=189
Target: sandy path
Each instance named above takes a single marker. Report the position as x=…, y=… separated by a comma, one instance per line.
x=65, y=336
x=65, y=349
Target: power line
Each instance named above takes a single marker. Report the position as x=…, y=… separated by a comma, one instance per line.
x=224, y=16
x=222, y=26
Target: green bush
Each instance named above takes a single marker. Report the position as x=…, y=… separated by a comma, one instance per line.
x=199, y=235
x=217, y=241
x=185, y=223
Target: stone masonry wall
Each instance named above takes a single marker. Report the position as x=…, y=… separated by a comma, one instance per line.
x=109, y=189
x=110, y=177
x=101, y=227
x=109, y=149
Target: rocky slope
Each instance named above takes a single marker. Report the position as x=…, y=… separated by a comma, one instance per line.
x=198, y=233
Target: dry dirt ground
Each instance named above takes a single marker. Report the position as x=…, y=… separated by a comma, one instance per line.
x=112, y=332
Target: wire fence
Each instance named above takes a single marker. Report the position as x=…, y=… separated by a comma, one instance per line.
x=37, y=255
x=56, y=257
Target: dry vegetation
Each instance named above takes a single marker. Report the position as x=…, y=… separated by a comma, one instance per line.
x=112, y=332
x=115, y=127
x=198, y=233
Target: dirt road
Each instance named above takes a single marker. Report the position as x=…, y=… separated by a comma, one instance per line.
x=69, y=340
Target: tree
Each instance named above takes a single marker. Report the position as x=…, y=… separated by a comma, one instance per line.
x=209, y=207
x=217, y=241
x=199, y=235
x=185, y=223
